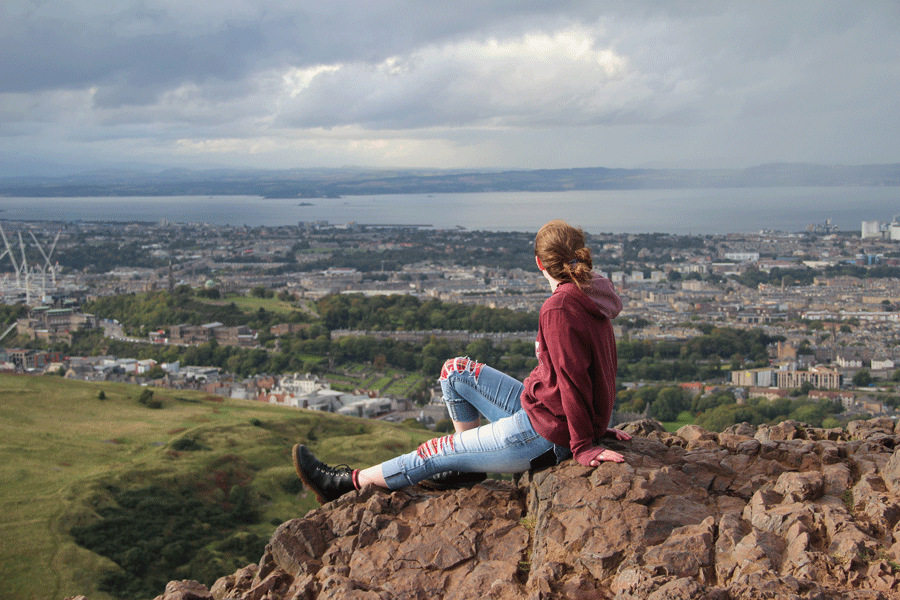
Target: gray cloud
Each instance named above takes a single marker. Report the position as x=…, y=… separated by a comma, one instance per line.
x=416, y=83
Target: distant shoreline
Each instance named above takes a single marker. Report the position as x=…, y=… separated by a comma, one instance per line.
x=680, y=212
x=330, y=184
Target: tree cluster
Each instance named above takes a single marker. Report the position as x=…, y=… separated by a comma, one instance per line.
x=817, y=413
x=146, y=398
x=391, y=313
x=141, y=313
x=153, y=532
x=719, y=410
x=106, y=256
x=805, y=277
x=700, y=357
x=312, y=350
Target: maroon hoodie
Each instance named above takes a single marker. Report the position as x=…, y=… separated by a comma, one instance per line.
x=569, y=396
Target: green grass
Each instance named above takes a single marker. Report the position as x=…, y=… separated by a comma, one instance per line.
x=684, y=418
x=311, y=358
x=380, y=383
x=409, y=383
x=362, y=376
x=249, y=304
x=60, y=446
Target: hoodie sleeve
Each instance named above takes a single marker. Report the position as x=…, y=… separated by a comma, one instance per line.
x=567, y=352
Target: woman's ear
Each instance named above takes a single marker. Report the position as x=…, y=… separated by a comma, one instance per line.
x=538, y=261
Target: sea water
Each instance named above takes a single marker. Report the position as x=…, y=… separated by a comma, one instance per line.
x=681, y=211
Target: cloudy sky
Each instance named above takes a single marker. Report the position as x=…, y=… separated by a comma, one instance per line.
x=467, y=84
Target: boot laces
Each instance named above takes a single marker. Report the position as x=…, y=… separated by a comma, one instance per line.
x=334, y=471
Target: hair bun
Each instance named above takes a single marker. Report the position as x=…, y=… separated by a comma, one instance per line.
x=561, y=249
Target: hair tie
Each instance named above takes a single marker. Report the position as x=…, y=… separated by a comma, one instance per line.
x=572, y=263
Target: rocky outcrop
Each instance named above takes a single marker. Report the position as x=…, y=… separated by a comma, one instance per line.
x=782, y=512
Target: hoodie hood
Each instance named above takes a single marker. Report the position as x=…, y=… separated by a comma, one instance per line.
x=599, y=298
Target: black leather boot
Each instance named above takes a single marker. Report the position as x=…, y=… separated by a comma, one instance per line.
x=328, y=483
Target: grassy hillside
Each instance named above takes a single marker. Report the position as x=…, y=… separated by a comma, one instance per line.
x=64, y=452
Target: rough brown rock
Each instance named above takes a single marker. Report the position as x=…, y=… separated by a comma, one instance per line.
x=185, y=590
x=784, y=511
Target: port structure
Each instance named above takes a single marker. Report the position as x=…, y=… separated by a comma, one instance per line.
x=28, y=281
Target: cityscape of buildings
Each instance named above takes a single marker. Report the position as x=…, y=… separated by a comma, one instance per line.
x=833, y=326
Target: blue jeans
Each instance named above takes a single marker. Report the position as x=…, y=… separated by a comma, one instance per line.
x=506, y=445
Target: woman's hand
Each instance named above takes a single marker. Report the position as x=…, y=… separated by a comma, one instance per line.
x=618, y=434
x=597, y=455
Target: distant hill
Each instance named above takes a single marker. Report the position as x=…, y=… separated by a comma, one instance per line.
x=318, y=183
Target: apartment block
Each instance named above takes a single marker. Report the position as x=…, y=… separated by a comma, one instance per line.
x=821, y=377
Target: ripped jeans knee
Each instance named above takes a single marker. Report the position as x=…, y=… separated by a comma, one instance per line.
x=461, y=364
x=504, y=446
x=458, y=377
x=436, y=447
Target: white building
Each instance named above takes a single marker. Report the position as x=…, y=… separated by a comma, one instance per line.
x=301, y=386
x=142, y=366
x=871, y=229
x=881, y=364
x=742, y=256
